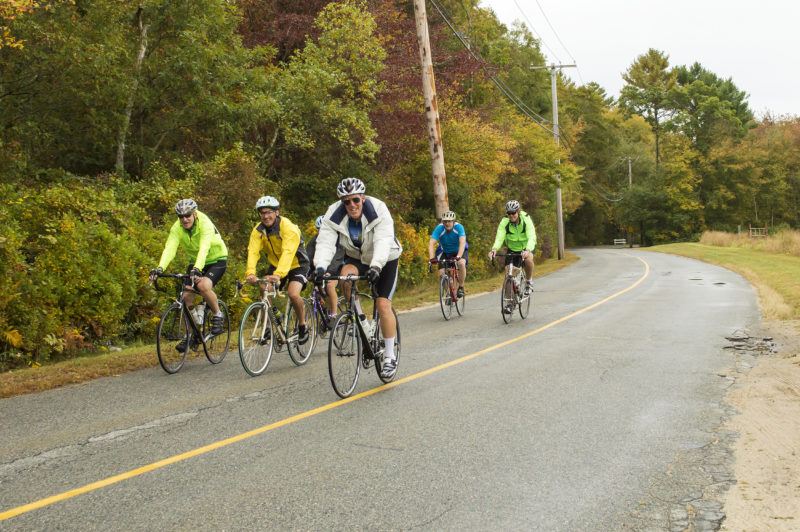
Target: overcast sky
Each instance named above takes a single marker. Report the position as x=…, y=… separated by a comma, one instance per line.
x=756, y=43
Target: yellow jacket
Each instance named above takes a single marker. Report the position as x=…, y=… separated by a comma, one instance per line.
x=283, y=245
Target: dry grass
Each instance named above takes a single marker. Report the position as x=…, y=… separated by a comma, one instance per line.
x=784, y=241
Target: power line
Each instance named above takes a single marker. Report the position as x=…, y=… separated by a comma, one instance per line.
x=530, y=25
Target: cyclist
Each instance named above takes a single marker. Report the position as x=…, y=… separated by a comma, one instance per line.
x=200, y=238
x=519, y=235
x=363, y=225
x=452, y=240
x=282, y=242
x=333, y=269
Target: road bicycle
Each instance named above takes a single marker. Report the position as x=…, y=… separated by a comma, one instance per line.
x=513, y=293
x=191, y=328
x=263, y=330
x=355, y=342
x=319, y=310
x=448, y=288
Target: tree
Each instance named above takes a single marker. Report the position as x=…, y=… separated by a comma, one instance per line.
x=649, y=81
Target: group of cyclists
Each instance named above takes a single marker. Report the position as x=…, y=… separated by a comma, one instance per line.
x=356, y=237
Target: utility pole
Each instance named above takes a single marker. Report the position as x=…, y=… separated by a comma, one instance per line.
x=440, y=200
x=559, y=211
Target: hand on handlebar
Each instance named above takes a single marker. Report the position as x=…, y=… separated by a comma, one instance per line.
x=525, y=254
x=491, y=254
x=155, y=272
x=373, y=274
x=252, y=279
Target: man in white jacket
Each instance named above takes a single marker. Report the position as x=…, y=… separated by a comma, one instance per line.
x=363, y=226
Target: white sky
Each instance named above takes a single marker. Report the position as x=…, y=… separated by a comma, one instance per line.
x=755, y=43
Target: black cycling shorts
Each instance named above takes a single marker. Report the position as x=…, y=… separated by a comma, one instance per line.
x=299, y=274
x=387, y=282
x=213, y=271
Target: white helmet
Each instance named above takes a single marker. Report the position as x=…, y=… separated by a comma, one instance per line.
x=448, y=216
x=350, y=185
x=185, y=207
x=512, y=206
x=318, y=221
x=267, y=201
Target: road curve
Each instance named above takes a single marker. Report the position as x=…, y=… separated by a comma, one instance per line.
x=557, y=422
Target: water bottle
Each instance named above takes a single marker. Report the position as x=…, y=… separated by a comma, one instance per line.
x=197, y=313
x=365, y=324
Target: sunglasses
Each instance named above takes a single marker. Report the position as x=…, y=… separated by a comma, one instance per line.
x=511, y=212
x=355, y=201
x=266, y=211
x=185, y=216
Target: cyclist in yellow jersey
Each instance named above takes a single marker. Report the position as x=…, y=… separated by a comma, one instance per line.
x=282, y=243
x=199, y=237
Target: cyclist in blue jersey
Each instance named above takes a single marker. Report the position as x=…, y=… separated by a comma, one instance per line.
x=452, y=240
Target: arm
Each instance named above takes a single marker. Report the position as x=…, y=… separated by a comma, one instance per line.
x=171, y=248
x=253, y=252
x=501, y=234
x=462, y=244
x=326, y=246
x=384, y=235
x=531, y=234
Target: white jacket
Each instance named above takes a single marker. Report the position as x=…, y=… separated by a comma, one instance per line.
x=379, y=244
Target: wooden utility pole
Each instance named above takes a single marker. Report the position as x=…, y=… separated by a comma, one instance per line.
x=440, y=200
x=559, y=211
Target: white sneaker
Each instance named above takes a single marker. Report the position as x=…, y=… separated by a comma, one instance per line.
x=528, y=287
x=389, y=368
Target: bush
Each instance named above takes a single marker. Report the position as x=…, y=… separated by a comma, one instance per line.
x=75, y=267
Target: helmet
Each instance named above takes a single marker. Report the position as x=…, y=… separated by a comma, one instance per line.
x=350, y=185
x=267, y=201
x=185, y=206
x=512, y=206
x=319, y=219
x=448, y=216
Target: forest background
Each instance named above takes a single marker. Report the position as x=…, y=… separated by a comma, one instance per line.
x=111, y=111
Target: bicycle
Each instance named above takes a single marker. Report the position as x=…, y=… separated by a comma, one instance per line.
x=355, y=342
x=262, y=330
x=513, y=293
x=448, y=288
x=193, y=328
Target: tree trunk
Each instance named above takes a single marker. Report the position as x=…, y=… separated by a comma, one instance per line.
x=123, y=130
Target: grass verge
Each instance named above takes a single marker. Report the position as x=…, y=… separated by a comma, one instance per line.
x=107, y=364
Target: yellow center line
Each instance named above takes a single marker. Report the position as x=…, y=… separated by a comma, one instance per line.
x=330, y=406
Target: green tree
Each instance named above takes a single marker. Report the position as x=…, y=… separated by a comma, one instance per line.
x=648, y=83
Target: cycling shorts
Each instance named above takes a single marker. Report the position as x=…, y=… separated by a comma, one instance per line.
x=387, y=282
x=213, y=271
x=299, y=274
x=444, y=255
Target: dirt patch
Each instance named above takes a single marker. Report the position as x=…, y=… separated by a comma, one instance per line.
x=766, y=495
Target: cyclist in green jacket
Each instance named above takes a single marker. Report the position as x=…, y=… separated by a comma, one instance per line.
x=199, y=237
x=519, y=235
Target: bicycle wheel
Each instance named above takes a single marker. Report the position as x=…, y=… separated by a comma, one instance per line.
x=299, y=353
x=507, y=299
x=217, y=346
x=377, y=336
x=460, y=303
x=445, y=297
x=171, y=329
x=344, y=354
x=524, y=302
x=255, y=339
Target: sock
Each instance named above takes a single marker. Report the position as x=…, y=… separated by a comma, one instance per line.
x=389, y=343
x=218, y=314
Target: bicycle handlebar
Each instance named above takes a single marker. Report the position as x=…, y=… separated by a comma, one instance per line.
x=181, y=276
x=262, y=280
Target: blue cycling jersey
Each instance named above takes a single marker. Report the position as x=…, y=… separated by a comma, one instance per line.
x=448, y=240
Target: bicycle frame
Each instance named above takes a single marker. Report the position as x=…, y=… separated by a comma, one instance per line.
x=179, y=290
x=270, y=290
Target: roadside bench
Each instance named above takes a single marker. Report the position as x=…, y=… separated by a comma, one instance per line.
x=620, y=242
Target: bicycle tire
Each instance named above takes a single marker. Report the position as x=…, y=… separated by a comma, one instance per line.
x=216, y=347
x=460, y=302
x=445, y=297
x=525, y=305
x=172, y=328
x=377, y=335
x=507, y=301
x=297, y=352
x=255, y=339
x=344, y=354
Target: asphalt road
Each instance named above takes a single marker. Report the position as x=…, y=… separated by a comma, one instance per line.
x=558, y=422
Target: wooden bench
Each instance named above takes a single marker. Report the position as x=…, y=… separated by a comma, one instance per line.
x=620, y=242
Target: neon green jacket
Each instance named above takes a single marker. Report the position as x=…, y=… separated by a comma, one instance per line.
x=202, y=241
x=516, y=237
